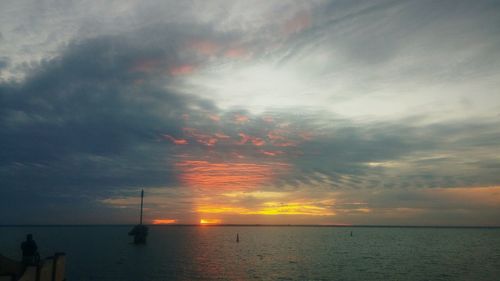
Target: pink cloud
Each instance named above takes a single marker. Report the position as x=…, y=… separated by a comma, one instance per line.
x=182, y=69
x=174, y=140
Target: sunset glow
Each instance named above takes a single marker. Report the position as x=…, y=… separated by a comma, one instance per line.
x=164, y=221
x=271, y=208
x=269, y=112
x=228, y=176
x=210, y=221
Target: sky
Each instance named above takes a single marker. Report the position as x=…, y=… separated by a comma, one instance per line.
x=250, y=112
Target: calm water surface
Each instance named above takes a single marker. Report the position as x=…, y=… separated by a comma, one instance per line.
x=268, y=253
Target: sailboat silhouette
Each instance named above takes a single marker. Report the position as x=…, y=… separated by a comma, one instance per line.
x=140, y=231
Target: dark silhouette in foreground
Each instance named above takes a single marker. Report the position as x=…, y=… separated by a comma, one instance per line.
x=30, y=251
x=140, y=231
x=32, y=268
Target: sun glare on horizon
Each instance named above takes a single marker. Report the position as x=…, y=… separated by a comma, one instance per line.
x=210, y=221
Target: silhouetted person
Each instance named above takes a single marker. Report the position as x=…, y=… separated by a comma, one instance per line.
x=29, y=248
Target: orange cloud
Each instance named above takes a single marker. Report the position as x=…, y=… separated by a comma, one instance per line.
x=210, y=221
x=258, y=141
x=164, y=221
x=228, y=175
x=239, y=118
x=272, y=208
x=254, y=140
x=174, y=140
x=271, y=152
x=205, y=139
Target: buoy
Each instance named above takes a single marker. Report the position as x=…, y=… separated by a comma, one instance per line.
x=237, y=238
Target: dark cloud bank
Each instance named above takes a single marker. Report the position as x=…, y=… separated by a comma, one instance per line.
x=88, y=125
x=85, y=123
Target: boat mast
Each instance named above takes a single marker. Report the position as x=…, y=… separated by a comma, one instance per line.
x=142, y=199
x=140, y=231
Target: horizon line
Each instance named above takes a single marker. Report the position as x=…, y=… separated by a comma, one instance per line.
x=255, y=225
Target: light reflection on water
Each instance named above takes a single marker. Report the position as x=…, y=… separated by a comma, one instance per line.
x=268, y=253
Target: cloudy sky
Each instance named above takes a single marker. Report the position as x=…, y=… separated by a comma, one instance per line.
x=272, y=112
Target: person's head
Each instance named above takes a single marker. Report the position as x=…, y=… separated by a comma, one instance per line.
x=29, y=237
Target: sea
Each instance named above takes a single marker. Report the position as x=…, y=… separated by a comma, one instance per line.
x=105, y=253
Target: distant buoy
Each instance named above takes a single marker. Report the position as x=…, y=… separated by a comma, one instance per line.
x=237, y=238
